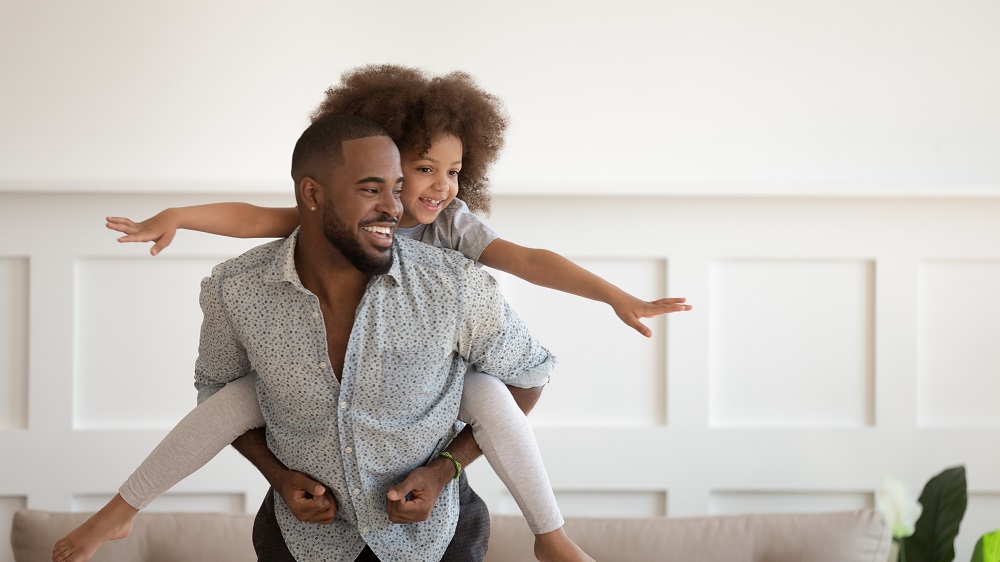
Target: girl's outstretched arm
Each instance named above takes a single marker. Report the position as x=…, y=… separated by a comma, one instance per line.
x=549, y=269
x=237, y=220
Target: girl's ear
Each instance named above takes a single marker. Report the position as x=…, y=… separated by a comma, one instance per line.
x=310, y=193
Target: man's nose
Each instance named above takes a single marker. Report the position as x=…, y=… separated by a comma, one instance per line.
x=390, y=204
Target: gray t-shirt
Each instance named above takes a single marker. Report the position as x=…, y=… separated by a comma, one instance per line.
x=456, y=228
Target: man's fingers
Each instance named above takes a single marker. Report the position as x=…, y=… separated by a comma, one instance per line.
x=303, y=482
x=408, y=511
x=399, y=491
x=315, y=509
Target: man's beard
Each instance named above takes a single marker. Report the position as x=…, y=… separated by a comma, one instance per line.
x=345, y=240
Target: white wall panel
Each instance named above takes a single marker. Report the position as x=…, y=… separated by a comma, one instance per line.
x=738, y=502
x=959, y=357
x=779, y=277
x=13, y=342
x=791, y=343
x=137, y=327
x=607, y=374
x=8, y=505
x=599, y=504
x=171, y=501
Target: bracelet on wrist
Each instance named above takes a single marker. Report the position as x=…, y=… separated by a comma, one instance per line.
x=458, y=465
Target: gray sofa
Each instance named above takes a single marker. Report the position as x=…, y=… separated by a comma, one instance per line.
x=850, y=536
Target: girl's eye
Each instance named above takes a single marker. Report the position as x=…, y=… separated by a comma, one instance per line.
x=424, y=169
x=454, y=173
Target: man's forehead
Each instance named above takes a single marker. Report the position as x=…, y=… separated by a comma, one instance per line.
x=370, y=155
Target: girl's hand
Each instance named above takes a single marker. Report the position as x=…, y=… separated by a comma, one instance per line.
x=159, y=229
x=633, y=309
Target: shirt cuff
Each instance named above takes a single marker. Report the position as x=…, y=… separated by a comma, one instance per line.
x=536, y=376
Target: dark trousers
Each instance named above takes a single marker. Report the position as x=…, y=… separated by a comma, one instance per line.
x=468, y=545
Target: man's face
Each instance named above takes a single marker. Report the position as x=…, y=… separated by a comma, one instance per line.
x=363, y=206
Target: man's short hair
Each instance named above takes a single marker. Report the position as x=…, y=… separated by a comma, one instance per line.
x=320, y=149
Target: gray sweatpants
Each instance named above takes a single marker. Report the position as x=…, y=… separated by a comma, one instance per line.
x=500, y=428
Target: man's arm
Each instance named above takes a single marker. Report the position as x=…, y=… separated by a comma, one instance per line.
x=413, y=499
x=307, y=499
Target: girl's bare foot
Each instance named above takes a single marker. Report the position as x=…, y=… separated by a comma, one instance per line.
x=556, y=546
x=113, y=521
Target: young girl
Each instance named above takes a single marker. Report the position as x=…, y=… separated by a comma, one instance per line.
x=449, y=132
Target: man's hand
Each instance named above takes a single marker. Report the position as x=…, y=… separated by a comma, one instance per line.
x=307, y=499
x=413, y=499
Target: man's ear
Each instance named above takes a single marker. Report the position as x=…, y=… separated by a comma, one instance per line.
x=310, y=193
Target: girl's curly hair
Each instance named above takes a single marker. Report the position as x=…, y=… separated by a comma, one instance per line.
x=416, y=108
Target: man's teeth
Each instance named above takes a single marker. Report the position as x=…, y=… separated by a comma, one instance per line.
x=378, y=229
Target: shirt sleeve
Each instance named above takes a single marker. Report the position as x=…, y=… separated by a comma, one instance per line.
x=469, y=234
x=221, y=355
x=494, y=338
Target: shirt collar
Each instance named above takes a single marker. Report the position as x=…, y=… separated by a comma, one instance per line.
x=283, y=266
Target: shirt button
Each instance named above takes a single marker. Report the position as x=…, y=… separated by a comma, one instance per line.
x=356, y=491
x=322, y=364
x=343, y=404
x=348, y=450
x=315, y=315
x=364, y=530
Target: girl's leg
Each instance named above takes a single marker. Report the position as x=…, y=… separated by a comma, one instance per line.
x=503, y=433
x=194, y=441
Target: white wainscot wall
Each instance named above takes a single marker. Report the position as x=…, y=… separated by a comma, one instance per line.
x=832, y=339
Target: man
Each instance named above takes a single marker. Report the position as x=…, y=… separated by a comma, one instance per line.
x=359, y=341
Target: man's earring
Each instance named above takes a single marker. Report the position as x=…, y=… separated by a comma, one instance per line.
x=312, y=208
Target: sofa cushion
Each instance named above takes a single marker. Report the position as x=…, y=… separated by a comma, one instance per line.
x=607, y=540
x=156, y=537
x=850, y=536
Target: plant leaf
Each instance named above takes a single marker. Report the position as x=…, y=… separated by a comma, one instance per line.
x=988, y=548
x=944, y=499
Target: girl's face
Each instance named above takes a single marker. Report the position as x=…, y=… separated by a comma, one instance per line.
x=430, y=180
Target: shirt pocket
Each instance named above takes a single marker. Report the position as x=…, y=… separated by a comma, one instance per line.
x=414, y=381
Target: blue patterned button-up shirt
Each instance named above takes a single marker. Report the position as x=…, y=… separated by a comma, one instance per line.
x=397, y=402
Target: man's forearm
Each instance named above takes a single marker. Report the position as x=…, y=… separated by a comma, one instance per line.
x=253, y=446
x=526, y=398
x=464, y=447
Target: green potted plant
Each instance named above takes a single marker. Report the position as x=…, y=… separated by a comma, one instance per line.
x=925, y=531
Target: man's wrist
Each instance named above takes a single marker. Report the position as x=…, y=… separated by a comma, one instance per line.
x=454, y=462
x=444, y=470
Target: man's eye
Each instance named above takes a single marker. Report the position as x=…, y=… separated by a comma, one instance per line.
x=424, y=169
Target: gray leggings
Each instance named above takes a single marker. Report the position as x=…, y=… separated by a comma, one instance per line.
x=500, y=428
